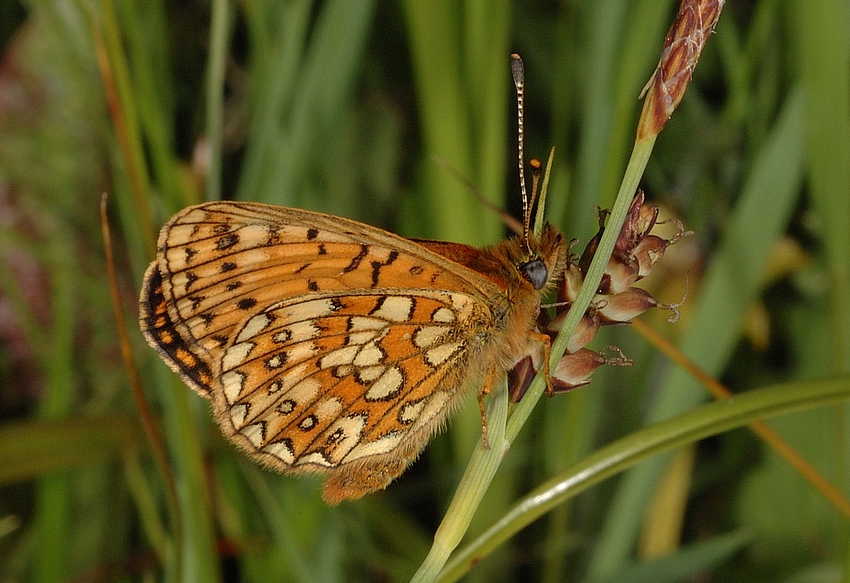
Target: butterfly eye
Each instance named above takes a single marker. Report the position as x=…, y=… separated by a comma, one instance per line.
x=535, y=271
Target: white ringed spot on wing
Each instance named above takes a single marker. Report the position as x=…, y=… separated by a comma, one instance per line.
x=276, y=361
x=308, y=423
x=343, y=435
x=286, y=407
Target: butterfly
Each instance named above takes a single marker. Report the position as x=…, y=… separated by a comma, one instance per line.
x=329, y=346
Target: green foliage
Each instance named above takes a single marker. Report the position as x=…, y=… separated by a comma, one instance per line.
x=343, y=107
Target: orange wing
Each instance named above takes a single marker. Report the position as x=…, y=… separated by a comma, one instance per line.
x=325, y=345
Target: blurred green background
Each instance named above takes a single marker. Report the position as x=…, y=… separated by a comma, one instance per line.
x=346, y=107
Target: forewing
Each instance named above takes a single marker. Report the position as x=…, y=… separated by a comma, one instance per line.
x=220, y=263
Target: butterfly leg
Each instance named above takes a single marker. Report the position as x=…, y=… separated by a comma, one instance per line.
x=486, y=386
x=546, y=342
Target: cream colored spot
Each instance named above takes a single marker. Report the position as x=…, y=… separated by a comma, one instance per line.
x=410, y=411
x=389, y=383
x=275, y=387
x=369, y=355
x=459, y=301
x=252, y=235
x=444, y=316
x=281, y=450
x=370, y=373
x=304, y=391
x=360, y=338
x=383, y=445
x=395, y=309
x=314, y=459
x=233, y=383
x=428, y=335
x=253, y=327
x=343, y=371
x=238, y=414
x=339, y=357
x=440, y=354
x=432, y=410
x=301, y=331
x=307, y=423
x=300, y=352
x=286, y=407
x=305, y=311
x=236, y=355
x=359, y=323
x=254, y=433
x=275, y=361
x=328, y=408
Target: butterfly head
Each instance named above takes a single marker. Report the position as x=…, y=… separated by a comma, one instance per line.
x=541, y=261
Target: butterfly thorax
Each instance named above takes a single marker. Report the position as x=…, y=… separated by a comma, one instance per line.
x=515, y=308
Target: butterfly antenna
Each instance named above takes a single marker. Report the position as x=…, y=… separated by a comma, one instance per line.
x=518, y=73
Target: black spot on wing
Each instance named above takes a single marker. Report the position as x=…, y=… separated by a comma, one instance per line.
x=357, y=259
x=246, y=304
x=227, y=242
x=377, y=265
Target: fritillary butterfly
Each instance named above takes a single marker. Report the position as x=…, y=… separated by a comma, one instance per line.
x=329, y=346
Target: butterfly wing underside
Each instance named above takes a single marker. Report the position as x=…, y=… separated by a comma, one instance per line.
x=325, y=345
